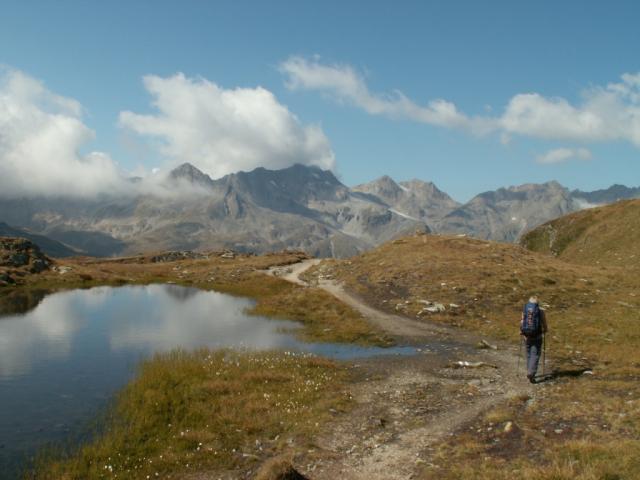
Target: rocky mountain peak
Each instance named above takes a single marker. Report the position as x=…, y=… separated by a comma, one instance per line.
x=301, y=207
x=190, y=174
x=384, y=188
x=414, y=198
x=429, y=189
x=297, y=184
x=612, y=194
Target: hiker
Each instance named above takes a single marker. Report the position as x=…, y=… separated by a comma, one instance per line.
x=533, y=326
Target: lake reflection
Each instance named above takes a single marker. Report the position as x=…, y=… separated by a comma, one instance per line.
x=61, y=361
x=143, y=319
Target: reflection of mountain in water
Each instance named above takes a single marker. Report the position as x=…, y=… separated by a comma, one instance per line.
x=13, y=303
x=180, y=293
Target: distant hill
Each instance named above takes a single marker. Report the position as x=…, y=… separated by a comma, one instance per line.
x=51, y=247
x=612, y=194
x=504, y=214
x=605, y=235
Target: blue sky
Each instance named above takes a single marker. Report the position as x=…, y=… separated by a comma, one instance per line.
x=350, y=59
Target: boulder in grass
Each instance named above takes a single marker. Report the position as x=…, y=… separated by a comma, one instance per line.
x=22, y=254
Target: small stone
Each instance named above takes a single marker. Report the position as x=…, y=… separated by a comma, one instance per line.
x=508, y=427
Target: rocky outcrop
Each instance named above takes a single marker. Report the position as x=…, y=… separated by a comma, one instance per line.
x=19, y=256
x=175, y=256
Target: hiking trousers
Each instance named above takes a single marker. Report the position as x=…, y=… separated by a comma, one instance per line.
x=534, y=350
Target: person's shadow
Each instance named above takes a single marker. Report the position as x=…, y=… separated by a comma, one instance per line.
x=576, y=372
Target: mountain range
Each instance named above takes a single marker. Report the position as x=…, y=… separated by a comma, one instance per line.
x=299, y=207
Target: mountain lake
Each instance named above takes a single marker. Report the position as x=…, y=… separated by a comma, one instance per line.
x=64, y=355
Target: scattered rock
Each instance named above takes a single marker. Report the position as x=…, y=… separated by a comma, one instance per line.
x=483, y=344
x=228, y=254
x=508, y=427
x=435, y=308
x=173, y=256
x=279, y=271
x=465, y=364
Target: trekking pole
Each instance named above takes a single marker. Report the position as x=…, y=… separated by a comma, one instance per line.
x=520, y=353
x=544, y=354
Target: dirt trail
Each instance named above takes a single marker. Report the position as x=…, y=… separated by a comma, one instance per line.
x=395, y=325
x=405, y=406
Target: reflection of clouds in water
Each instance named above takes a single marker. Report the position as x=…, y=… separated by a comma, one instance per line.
x=139, y=318
x=208, y=318
x=94, y=297
x=46, y=331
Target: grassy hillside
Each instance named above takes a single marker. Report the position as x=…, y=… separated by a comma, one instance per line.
x=482, y=286
x=577, y=425
x=599, y=236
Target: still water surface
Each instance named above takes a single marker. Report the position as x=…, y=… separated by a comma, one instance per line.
x=61, y=361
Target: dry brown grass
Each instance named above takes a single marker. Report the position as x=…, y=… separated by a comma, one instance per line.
x=598, y=236
x=578, y=426
x=325, y=319
x=591, y=310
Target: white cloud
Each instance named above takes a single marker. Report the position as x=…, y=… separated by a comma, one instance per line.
x=346, y=84
x=609, y=113
x=560, y=155
x=222, y=130
x=41, y=134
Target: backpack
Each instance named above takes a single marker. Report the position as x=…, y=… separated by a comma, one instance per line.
x=531, y=320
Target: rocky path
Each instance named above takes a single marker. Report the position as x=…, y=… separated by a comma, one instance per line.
x=405, y=406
